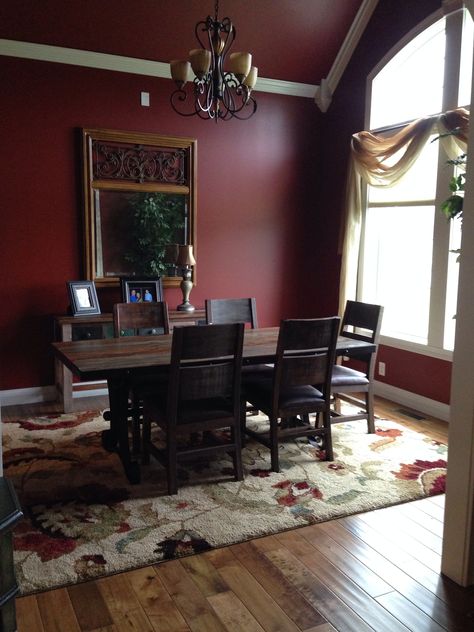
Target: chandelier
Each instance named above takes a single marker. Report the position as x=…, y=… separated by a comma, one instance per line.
x=215, y=93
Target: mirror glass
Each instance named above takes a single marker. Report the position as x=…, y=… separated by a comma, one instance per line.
x=140, y=200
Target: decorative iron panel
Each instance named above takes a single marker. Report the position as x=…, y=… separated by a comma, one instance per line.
x=138, y=163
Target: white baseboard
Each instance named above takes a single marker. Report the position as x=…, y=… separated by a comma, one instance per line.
x=40, y=394
x=32, y=395
x=405, y=398
x=413, y=401
x=92, y=392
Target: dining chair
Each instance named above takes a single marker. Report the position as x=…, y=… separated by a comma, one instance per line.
x=202, y=396
x=299, y=384
x=361, y=321
x=138, y=319
x=236, y=310
x=231, y=310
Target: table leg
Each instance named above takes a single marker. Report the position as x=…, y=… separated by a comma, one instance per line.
x=63, y=376
x=116, y=438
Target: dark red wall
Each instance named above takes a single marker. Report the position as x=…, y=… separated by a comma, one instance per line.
x=270, y=195
x=255, y=186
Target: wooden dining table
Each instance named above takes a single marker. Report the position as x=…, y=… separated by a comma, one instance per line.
x=117, y=360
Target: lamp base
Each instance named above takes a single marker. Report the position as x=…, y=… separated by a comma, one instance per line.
x=185, y=307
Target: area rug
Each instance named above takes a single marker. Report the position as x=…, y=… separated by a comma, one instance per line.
x=83, y=519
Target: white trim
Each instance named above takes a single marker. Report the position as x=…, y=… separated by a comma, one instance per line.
x=31, y=395
x=39, y=394
x=413, y=347
x=89, y=59
x=93, y=392
x=413, y=401
x=324, y=92
x=290, y=88
x=119, y=63
x=350, y=42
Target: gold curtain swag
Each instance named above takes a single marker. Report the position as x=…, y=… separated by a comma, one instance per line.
x=370, y=153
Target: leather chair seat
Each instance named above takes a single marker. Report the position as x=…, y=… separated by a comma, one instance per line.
x=344, y=376
x=296, y=398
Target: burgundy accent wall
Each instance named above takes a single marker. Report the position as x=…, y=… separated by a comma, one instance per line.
x=270, y=193
x=420, y=374
x=256, y=188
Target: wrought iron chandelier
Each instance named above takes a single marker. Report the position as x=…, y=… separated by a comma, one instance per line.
x=216, y=93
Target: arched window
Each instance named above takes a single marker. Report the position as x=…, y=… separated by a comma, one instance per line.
x=405, y=259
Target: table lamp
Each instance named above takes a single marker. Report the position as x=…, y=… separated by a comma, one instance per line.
x=186, y=261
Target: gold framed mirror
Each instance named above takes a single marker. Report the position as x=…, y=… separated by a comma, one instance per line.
x=139, y=200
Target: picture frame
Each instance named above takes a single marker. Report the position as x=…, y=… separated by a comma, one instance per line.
x=83, y=298
x=141, y=289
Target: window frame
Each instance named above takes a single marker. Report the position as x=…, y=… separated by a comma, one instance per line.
x=441, y=229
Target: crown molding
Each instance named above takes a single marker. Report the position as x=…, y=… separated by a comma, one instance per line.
x=324, y=92
x=133, y=65
x=85, y=58
x=290, y=88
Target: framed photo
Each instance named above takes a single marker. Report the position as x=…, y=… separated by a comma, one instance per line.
x=141, y=290
x=83, y=297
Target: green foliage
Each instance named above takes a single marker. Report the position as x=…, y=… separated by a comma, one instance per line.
x=157, y=220
x=453, y=205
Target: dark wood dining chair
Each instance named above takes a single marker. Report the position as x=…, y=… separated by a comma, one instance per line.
x=361, y=321
x=139, y=319
x=299, y=384
x=202, y=396
x=221, y=311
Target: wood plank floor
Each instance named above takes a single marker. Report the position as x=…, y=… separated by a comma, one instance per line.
x=374, y=571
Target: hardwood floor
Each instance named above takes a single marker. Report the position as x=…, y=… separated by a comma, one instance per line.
x=374, y=571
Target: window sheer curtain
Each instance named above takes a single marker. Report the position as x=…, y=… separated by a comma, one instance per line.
x=370, y=152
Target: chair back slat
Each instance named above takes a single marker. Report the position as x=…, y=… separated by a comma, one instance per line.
x=139, y=318
x=206, y=363
x=362, y=316
x=206, y=381
x=301, y=370
x=231, y=310
x=204, y=341
x=306, y=353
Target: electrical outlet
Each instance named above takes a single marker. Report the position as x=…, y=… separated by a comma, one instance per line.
x=145, y=99
x=381, y=368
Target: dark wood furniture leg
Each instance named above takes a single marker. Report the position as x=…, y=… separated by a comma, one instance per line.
x=116, y=438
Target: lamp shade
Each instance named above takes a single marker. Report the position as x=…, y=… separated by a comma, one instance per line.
x=251, y=79
x=240, y=64
x=185, y=256
x=200, y=61
x=180, y=71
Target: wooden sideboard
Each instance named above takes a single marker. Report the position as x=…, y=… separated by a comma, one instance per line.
x=92, y=328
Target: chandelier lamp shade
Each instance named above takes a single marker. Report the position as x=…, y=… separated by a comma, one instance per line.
x=214, y=93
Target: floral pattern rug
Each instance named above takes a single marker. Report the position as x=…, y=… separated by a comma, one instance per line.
x=84, y=520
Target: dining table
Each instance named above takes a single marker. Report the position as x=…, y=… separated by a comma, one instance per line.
x=119, y=360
